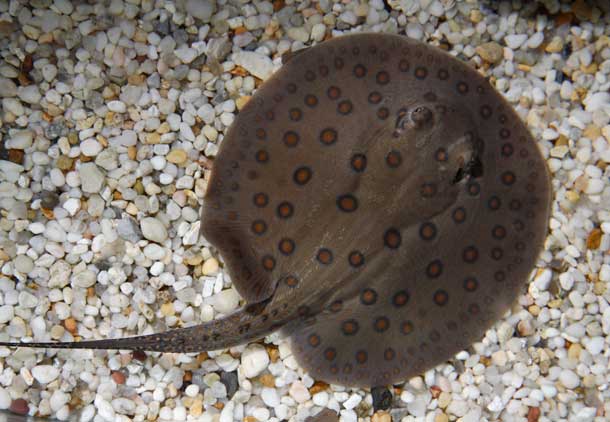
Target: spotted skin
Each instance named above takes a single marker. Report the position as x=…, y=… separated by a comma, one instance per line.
x=380, y=202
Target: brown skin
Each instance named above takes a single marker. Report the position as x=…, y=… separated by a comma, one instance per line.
x=376, y=199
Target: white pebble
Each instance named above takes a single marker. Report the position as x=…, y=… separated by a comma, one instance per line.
x=254, y=360
x=44, y=374
x=117, y=106
x=153, y=229
x=514, y=41
x=569, y=379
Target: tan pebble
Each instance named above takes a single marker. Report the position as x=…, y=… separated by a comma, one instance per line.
x=441, y=417
x=556, y=303
x=524, y=67
x=250, y=419
x=64, y=163
x=592, y=132
x=163, y=128
x=57, y=331
x=534, y=310
x=132, y=152
x=193, y=260
x=588, y=381
x=525, y=328
x=177, y=156
x=476, y=16
x=131, y=209
x=46, y=38
x=118, y=377
x=444, y=399
x=594, y=238
x=317, y=387
x=267, y=380
x=70, y=324
x=136, y=79
x=491, y=52
x=153, y=138
x=196, y=408
x=219, y=405
x=242, y=101
x=572, y=196
x=381, y=416
x=606, y=132
x=555, y=46
x=273, y=352
x=574, y=351
x=589, y=70
x=167, y=309
x=210, y=266
x=599, y=288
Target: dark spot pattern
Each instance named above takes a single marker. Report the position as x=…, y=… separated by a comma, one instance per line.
x=358, y=162
x=302, y=175
x=392, y=238
x=343, y=170
x=368, y=297
x=328, y=136
x=324, y=256
x=347, y=203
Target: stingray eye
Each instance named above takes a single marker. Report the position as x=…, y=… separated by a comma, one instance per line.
x=420, y=115
x=416, y=117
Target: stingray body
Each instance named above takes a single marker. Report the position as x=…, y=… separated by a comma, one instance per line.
x=376, y=199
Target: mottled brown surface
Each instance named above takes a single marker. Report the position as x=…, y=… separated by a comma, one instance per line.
x=378, y=200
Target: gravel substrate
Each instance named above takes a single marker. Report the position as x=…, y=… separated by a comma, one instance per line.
x=111, y=115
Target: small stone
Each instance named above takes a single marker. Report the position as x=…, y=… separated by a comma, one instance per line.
x=595, y=345
x=499, y=358
x=210, y=266
x=7, y=88
x=230, y=380
x=129, y=229
x=29, y=94
x=514, y=41
x=153, y=229
x=382, y=398
x=270, y=396
x=254, y=360
x=117, y=106
x=569, y=379
x=226, y=301
x=44, y=374
x=298, y=392
x=381, y=416
x=6, y=313
x=19, y=407
x=555, y=46
x=118, y=377
x=90, y=147
x=20, y=140
x=177, y=156
x=594, y=238
x=92, y=179
x=255, y=63
x=201, y=9
x=491, y=52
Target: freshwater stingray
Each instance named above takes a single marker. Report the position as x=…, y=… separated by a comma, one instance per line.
x=379, y=201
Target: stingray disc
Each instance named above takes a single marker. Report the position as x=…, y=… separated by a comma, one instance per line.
x=386, y=192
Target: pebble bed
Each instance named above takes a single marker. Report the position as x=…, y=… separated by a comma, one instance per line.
x=111, y=115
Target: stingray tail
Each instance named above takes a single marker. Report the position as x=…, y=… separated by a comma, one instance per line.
x=246, y=324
